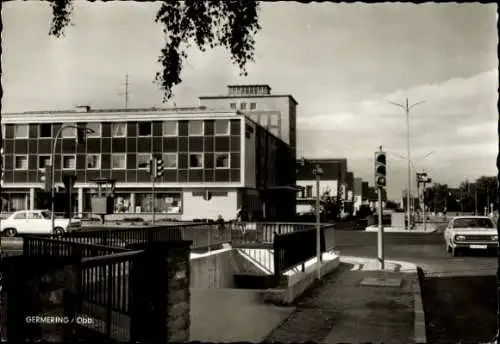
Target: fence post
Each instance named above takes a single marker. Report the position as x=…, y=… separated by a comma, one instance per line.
x=109, y=303
x=209, y=238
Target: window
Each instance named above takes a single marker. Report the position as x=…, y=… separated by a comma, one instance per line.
x=170, y=128
x=144, y=129
x=43, y=161
x=21, y=131
x=221, y=160
x=118, y=129
x=472, y=222
x=20, y=216
x=243, y=106
x=222, y=127
x=69, y=162
x=93, y=162
x=96, y=127
x=45, y=130
x=253, y=106
x=118, y=161
x=21, y=162
x=263, y=120
x=69, y=132
x=309, y=191
x=274, y=119
x=196, y=160
x=34, y=216
x=143, y=161
x=170, y=160
x=233, y=106
x=195, y=128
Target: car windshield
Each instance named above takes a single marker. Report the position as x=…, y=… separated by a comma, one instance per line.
x=46, y=214
x=473, y=223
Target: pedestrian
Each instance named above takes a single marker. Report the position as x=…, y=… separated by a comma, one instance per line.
x=220, y=225
x=240, y=217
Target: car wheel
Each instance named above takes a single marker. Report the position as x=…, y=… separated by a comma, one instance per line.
x=10, y=232
x=58, y=231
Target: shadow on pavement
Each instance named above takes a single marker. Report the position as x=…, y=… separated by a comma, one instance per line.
x=460, y=309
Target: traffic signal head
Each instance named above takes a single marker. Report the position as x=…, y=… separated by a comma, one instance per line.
x=46, y=178
x=380, y=169
x=80, y=136
x=159, y=167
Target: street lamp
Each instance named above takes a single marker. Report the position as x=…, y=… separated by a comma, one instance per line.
x=79, y=134
x=407, y=109
x=318, y=172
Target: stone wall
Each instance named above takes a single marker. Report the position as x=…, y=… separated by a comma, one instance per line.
x=179, y=298
x=38, y=299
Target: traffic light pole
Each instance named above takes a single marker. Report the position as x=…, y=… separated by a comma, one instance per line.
x=380, y=241
x=154, y=198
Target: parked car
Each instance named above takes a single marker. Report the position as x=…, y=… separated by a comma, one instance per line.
x=470, y=232
x=36, y=222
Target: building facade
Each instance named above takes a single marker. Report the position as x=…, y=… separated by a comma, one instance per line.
x=204, y=151
x=277, y=113
x=333, y=181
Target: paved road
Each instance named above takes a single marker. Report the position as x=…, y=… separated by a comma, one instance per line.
x=459, y=292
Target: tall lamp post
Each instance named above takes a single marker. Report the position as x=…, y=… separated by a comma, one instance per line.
x=79, y=135
x=407, y=109
x=318, y=172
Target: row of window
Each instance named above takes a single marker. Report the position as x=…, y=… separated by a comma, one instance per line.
x=119, y=161
x=243, y=106
x=170, y=128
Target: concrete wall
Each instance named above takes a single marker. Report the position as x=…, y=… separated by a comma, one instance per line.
x=196, y=207
x=217, y=269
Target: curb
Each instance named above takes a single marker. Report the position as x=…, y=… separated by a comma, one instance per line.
x=419, y=315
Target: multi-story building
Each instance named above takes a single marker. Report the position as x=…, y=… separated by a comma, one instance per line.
x=277, y=113
x=221, y=153
x=358, y=193
x=333, y=180
x=349, y=202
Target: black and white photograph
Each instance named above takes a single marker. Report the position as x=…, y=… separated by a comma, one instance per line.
x=249, y=171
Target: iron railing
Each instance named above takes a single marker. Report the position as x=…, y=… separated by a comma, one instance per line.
x=292, y=249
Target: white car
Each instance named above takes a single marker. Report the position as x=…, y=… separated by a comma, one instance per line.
x=36, y=222
x=470, y=232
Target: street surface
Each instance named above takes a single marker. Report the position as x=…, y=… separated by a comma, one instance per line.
x=459, y=292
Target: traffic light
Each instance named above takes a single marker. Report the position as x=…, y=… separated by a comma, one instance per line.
x=159, y=167
x=380, y=169
x=151, y=166
x=46, y=178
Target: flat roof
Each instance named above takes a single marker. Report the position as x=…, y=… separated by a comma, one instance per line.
x=226, y=96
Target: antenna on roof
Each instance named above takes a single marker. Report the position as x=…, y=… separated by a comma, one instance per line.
x=126, y=92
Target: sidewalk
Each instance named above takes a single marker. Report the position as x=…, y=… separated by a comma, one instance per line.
x=430, y=228
x=341, y=310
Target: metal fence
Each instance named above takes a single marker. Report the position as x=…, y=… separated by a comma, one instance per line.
x=103, y=282
x=292, y=249
x=203, y=235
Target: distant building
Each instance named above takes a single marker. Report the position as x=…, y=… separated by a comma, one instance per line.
x=358, y=193
x=333, y=180
x=277, y=113
x=222, y=153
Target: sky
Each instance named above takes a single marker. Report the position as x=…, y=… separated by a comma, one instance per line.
x=343, y=63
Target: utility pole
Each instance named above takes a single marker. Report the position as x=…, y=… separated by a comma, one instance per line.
x=318, y=172
x=407, y=109
x=126, y=92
